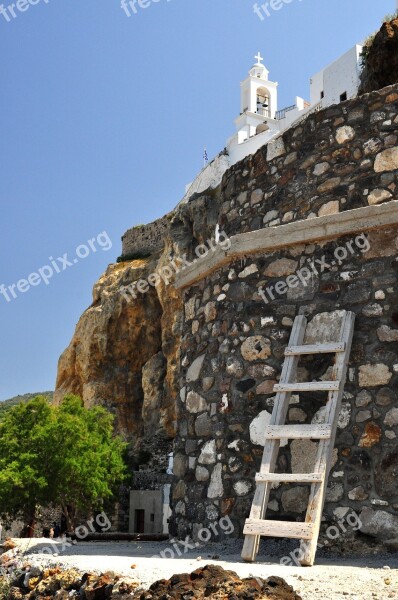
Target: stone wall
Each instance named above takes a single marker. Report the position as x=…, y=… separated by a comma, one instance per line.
x=152, y=472
x=336, y=160
x=144, y=240
x=45, y=519
x=209, y=177
x=233, y=340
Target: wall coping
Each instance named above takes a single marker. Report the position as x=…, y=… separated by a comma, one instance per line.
x=330, y=227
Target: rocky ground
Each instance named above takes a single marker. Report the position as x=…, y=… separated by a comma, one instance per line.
x=136, y=570
x=214, y=582
x=210, y=581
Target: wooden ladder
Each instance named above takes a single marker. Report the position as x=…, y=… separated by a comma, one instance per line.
x=276, y=431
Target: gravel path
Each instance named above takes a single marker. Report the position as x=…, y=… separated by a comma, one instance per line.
x=338, y=579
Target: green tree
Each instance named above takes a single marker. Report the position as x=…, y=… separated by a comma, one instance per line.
x=66, y=455
x=88, y=460
x=23, y=456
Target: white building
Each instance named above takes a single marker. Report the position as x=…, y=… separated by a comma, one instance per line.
x=339, y=81
x=260, y=119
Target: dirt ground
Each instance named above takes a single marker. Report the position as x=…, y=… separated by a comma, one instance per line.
x=337, y=579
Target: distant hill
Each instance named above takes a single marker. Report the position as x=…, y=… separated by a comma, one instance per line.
x=7, y=404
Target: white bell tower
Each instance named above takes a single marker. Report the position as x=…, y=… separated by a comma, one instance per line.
x=259, y=102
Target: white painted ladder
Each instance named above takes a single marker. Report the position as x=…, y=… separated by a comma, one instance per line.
x=308, y=532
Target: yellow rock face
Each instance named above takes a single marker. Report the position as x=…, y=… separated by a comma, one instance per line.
x=115, y=338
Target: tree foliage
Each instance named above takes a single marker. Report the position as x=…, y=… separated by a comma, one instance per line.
x=65, y=455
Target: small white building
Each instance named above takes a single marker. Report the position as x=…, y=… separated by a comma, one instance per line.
x=261, y=120
x=150, y=511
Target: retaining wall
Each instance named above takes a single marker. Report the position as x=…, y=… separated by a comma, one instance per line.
x=235, y=332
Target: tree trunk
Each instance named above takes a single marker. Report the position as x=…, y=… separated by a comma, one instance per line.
x=68, y=513
x=29, y=529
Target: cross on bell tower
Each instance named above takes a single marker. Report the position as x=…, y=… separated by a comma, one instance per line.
x=259, y=59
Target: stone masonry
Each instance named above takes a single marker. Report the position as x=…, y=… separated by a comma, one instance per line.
x=144, y=240
x=234, y=333
x=338, y=159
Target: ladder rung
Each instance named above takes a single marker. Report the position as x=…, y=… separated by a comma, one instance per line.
x=298, y=432
x=315, y=349
x=289, y=477
x=311, y=386
x=286, y=529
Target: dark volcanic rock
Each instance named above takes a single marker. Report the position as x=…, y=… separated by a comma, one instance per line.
x=381, y=59
x=208, y=582
x=213, y=582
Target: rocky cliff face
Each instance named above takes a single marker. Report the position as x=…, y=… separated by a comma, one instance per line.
x=125, y=350
x=381, y=59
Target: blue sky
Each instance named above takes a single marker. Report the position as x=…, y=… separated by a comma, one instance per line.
x=103, y=122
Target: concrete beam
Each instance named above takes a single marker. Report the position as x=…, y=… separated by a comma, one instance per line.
x=267, y=240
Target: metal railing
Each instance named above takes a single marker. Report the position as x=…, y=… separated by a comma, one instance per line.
x=281, y=114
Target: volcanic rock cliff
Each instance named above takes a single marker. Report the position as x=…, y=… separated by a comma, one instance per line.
x=380, y=59
x=125, y=350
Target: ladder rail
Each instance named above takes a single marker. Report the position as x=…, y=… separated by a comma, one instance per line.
x=325, y=448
